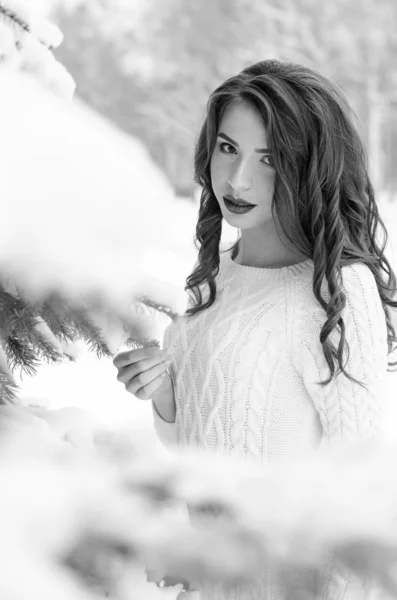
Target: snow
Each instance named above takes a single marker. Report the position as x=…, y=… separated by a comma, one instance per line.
x=87, y=210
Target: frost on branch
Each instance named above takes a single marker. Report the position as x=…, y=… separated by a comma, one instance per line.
x=77, y=523
x=26, y=43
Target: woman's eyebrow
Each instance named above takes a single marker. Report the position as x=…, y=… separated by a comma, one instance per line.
x=229, y=139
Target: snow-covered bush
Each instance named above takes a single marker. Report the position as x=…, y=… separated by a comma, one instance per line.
x=84, y=523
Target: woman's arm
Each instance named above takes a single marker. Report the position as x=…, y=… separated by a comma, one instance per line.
x=164, y=404
x=164, y=401
x=348, y=412
x=164, y=414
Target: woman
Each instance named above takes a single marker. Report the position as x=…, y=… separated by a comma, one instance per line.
x=285, y=343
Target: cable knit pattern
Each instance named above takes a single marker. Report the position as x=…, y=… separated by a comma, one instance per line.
x=245, y=373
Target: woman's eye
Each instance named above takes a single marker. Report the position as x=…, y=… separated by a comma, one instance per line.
x=222, y=147
x=269, y=158
x=227, y=148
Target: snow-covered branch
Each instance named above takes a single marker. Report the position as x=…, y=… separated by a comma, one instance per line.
x=90, y=517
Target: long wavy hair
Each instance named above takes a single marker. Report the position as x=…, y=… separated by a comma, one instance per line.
x=323, y=197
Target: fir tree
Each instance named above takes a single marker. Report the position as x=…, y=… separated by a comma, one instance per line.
x=35, y=331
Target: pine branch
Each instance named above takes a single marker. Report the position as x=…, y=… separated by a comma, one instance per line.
x=136, y=342
x=8, y=388
x=26, y=345
x=135, y=332
x=131, y=324
x=24, y=323
x=45, y=349
x=69, y=321
x=14, y=18
x=21, y=354
x=89, y=332
x=19, y=321
x=16, y=318
x=14, y=312
x=159, y=307
x=58, y=318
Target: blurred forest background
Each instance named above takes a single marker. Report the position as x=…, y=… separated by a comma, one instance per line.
x=150, y=66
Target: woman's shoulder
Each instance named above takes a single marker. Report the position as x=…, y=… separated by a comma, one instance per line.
x=363, y=296
x=358, y=284
x=358, y=273
x=355, y=277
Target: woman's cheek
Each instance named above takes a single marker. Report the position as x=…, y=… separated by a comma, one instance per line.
x=216, y=176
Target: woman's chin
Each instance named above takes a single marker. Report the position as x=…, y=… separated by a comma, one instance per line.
x=233, y=219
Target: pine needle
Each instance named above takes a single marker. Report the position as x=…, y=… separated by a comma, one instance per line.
x=8, y=389
x=58, y=318
x=158, y=307
x=21, y=354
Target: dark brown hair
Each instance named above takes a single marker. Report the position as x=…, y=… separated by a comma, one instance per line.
x=323, y=198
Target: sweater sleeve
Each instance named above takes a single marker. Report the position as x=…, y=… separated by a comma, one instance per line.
x=348, y=412
x=166, y=431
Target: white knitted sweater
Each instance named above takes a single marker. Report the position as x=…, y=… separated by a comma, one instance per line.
x=244, y=374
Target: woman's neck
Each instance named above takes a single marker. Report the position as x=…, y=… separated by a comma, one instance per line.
x=250, y=254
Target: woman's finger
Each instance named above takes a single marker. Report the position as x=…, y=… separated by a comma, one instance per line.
x=140, y=375
x=129, y=357
x=133, y=369
x=147, y=391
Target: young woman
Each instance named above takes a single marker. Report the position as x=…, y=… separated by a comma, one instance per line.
x=285, y=343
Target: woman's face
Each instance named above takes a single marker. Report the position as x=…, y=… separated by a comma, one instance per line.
x=241, y=166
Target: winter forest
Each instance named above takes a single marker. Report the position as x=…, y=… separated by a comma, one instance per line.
x=101, y=104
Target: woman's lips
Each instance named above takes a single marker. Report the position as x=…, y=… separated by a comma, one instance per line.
x=238, y=201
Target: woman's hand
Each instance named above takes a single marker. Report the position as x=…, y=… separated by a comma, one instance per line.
x=143, y=371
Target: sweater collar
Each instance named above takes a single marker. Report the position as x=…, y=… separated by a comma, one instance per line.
x=231, y=269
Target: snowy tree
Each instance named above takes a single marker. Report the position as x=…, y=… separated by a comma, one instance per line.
x=69, y=180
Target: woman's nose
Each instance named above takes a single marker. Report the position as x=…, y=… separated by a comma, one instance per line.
x=241, y=178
